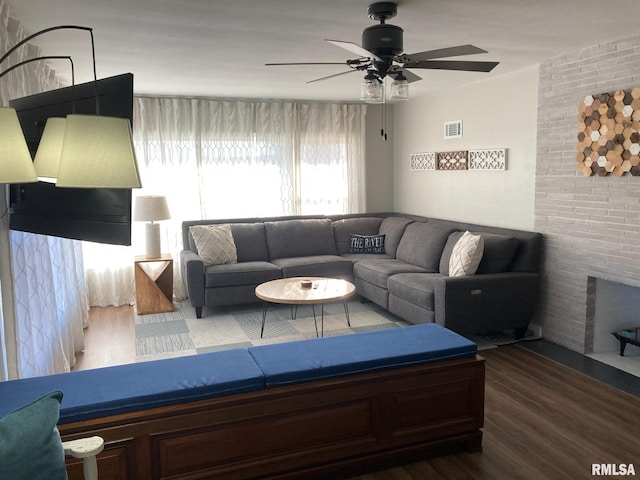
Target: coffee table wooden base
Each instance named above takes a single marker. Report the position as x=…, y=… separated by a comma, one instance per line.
x=305, y=291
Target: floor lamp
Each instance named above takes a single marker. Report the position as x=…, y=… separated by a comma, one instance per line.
x=91, y=151
x=151, y=209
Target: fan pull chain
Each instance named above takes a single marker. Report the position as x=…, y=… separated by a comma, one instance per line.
x=383, y=132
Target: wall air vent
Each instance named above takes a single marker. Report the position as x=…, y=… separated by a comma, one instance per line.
x=453, y=129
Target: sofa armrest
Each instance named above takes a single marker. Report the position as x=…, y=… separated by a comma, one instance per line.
x=488, y=302
x=192, y=269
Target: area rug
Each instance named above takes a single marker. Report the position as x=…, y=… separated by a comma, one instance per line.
x=180, y=333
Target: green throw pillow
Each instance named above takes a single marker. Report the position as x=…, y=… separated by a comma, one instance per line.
x=30, y=445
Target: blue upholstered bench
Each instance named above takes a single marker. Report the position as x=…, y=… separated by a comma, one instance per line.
x=319, y=358
x=291, y=410
x=125, y=388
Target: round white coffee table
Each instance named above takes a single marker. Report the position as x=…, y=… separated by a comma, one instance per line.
x=305, y=291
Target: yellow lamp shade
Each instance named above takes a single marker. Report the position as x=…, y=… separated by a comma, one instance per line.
x=97, y=152
x=15, y=160
x=48, y=154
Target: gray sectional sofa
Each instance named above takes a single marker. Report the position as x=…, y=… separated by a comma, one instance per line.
x=409, y=276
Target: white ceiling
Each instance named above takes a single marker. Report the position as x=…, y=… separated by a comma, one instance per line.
x=213, y=48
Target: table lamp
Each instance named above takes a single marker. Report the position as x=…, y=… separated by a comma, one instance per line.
x=150, y=209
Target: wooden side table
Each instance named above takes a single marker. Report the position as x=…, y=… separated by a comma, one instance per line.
x=154, y=284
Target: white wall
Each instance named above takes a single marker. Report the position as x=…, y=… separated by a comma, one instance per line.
x=379, y=158
x=496, y=113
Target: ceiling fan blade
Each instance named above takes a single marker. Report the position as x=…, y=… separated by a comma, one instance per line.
x=354, y=48
x=304, y=63
x=440, y=53
x=454, y=65
x=331, y=76
x=410, y=76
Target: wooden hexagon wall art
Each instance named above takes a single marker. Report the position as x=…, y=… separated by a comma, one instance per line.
x=423, y=161
x=609, y=134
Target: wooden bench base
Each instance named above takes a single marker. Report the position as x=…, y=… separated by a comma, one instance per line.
x=321, y=429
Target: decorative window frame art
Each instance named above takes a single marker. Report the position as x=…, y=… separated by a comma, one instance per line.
x=609, y=134
x=423, y=161
x=495, y=159
x=456, y=160
x=485, y=159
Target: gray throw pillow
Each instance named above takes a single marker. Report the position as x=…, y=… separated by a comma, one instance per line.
x=214, y=243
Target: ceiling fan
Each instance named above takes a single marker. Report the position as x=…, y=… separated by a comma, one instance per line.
x=381, y=55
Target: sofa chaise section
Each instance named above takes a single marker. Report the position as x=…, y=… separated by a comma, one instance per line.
x=501, y=295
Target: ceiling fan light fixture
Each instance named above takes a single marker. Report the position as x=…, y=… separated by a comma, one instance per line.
x=372, y=90
x=400, y=88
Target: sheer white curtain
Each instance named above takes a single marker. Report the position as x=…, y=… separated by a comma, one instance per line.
x=43, y=295
x=233, y=158
x=331, y=154
x=51, y=307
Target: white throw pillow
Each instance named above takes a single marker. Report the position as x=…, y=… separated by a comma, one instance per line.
x=214, y=243
x=466, y=255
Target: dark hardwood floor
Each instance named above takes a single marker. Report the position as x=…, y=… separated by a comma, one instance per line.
x=543, y=420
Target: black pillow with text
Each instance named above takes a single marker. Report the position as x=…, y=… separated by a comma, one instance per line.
x=367, y=243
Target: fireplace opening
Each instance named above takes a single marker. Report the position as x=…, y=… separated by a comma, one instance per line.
x=612, y=306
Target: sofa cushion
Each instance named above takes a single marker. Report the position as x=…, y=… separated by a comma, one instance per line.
x=343, y=229
x=466, y=255
x=30, y=445
x=214, y=244
x=356, y=257
x=367, y=244
x=393, y=228
x=250, y=241
x=378, y=271
x=139, y=386
x=244, y=273
x=416, y=288
x=315, y=266
x=499, y=251
x=320, y=358
x=300, y=238
x=422, y=244
x=446, y=252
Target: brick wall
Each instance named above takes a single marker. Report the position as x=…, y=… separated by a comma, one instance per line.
x=591, y=224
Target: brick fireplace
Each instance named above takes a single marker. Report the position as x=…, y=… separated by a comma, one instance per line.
x=591, y=224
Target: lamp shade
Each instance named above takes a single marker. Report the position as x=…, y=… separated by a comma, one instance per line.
x=15, y=160
x=97, y=152
x=151, y=208
x=48, y=154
